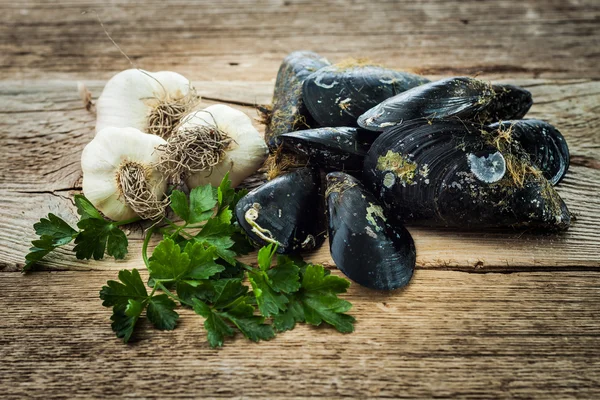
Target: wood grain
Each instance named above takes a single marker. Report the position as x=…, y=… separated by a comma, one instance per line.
x=46, y=129
x=448, y=334
x=456, y=331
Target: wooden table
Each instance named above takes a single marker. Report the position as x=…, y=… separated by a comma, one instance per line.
x=488, y=315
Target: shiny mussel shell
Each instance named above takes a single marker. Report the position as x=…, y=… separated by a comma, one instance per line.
x=364, y=246
x=287, y=211
x=289, y=113
x=463, y=98
x=338, y=94
x=342, y=149
x=451, y=174
x=545, y=145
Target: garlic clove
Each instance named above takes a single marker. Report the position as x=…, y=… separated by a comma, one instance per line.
x=129, y=98
x=244, y=155
x=103, y=161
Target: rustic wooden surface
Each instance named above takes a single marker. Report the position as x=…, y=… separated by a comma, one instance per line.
x=488, y=314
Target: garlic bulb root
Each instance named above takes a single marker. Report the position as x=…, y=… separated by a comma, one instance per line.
x=167, y=110
x=132, y=180
x=244, y=153
x=192, y=149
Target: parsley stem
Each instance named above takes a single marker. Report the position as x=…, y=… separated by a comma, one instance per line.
x=127, y=221
x=170, y=294
x=145, y=246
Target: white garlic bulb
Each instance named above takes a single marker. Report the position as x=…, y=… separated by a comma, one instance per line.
x=119, y=177
x=153, y=102
x=244, y=151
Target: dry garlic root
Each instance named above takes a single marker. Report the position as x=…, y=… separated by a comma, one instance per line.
x=119, y=174
x=153, y=102
x=211, y=142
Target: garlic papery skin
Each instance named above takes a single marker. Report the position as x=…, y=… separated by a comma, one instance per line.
x=119, y=174
x=153, y=102
x=244, y=154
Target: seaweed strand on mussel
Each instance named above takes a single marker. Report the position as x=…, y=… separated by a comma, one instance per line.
x=451, y=173
x=463, y=98
x=546, y=146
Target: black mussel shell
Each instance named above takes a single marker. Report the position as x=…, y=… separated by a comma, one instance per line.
x=450, y=173
x=463, y=98
x=364, y=245
x=338, y=94
x=510, y=102
x=545, y=145
x=288, y=112
x=342, y=149
x=287, y=211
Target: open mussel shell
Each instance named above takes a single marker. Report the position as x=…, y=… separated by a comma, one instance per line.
x=463, y=98
x=288, y=112
x=287, y=211
x=338, y=94
x=342, y=149
x=364, y=245
x=545, y=145
x=450, y=173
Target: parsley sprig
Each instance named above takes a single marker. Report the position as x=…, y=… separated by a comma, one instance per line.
x=195, y=267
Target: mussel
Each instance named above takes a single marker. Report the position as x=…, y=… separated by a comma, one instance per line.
x=342, y=148
x=287, y=211
x=338, y=94
x=463, y=98
x=364, y=245
x=451, y=173
x=288, y=112
x=545, y=145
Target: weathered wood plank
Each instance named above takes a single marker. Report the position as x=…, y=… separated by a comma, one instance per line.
x=448, y=334
x=239, y=39
x=44, y=128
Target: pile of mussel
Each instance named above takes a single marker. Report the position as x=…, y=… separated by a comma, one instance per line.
x=396, y=147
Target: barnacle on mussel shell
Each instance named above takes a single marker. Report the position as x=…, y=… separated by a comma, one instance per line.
x=451, y=173
x=463, y=98
x=287, y=211
x=288, y=112
x=342, y=148
x=338, y=94
x=546, y=146
x=364, y=245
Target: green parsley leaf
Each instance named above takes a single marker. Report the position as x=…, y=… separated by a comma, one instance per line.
x=286, y=320
x=202, y=261
x=53, y=232
x=130, y=286
x=265, y=256
x=320, y=302
x=98, y=236
x=216, y=328
x=180, y=204
x=252, y=326
x=168, y=261
x=160, y=312
x=202, y=203
x=285, y=277
x=268, y=300
x=124, y=318
x=86, y=209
